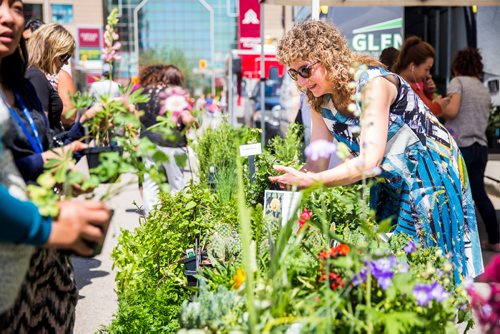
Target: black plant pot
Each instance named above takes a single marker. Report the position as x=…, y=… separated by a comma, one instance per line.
x=98, y=247
x=190, y=269
x=93, y=154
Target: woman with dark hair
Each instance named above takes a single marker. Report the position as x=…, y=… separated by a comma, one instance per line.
x=47, y=296
x=414, y=63
x=467, y=119
x=163, y=83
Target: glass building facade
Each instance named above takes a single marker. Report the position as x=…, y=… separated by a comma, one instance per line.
x=181, y=25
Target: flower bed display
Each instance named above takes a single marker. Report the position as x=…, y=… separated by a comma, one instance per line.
x=330, y=268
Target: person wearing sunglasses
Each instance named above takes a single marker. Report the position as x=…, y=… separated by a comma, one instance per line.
x=50, y=47
x=418, y=175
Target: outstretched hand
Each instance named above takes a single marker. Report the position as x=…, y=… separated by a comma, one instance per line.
x=292, y=177
x=78, y=224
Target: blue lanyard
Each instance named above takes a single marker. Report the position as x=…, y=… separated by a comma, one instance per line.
x=36, y=144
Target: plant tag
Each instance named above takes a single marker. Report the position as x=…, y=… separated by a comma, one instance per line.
x=190, y=253
x=250, y=149
x=281, y=205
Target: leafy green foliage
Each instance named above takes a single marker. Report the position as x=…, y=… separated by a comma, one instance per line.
x=209, y=310
x=148, y=259
x=283, y=151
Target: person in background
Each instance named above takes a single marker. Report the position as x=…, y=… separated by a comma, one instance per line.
x=30, y=27
x=156, y=81
x=388, y=57
x=66, y=88
x=62, y=81
x=419, y=179
x=467, y=119
x=21, y=225
x=49, y=48
x=105, y=86
x=414, y=63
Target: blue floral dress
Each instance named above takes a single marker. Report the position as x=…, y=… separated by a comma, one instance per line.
x=424, y=185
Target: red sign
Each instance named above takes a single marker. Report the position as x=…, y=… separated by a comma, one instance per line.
x=250, y=65
x=249, y=24
x=89, y=37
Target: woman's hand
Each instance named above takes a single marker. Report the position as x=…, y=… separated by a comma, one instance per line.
x=91, y=112
x=293, y=177
x=188, y=119
x=429, y=87
x=443, y=101
x=55, y=153
x=77, y=223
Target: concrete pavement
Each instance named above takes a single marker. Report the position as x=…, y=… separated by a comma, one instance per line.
x=94, y=277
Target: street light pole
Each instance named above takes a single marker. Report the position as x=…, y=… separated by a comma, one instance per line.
x=136, y=31
x=46, y=11
x=212, y=39
x=315, y=9
x=262, y=79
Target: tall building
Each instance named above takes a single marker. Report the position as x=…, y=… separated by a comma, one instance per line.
x=70, y=13
x=186, y=26
x=200, y=29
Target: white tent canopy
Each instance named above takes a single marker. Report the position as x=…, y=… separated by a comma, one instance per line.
x=401, y=3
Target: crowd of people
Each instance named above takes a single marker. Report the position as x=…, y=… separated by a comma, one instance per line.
x=38, y=289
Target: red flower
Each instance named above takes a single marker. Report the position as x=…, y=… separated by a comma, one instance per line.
x=324, y=254
x=342, y=249
x=306, y=214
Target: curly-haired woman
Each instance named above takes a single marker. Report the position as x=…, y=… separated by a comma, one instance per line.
x=467, y=119
x=421, y=183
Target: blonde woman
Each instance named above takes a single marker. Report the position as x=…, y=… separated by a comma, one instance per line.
x=420, y=179
x=50, y=47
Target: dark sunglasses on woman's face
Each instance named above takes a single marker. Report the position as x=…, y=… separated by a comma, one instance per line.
x=65, y=58
x=304, y=71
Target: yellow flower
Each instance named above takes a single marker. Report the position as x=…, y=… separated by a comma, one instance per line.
x=238, y=279
x=275, y=205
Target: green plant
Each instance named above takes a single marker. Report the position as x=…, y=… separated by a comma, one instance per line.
x=210, y=310
x=148, y=259
x=283, y=151
x=493, y=121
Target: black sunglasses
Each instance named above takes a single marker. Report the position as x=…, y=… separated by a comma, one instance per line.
x=64, y=58
x=304, y=71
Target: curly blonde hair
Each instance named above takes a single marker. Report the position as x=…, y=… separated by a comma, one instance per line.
x=46, y=44
x=321, y=41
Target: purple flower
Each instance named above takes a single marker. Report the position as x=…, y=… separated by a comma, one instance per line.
x=438, y=292
x=381, y=269
x=320, y=149
x=403, y=267
x=422, y=293
x=385, y=281
x=360, y=277
x=410, y=248
x=383, y=265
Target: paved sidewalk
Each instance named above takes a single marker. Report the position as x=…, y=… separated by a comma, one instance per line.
x=94, y=277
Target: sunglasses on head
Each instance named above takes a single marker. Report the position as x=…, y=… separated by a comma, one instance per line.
x=304, y=71
x=64, y=58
